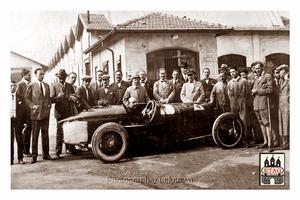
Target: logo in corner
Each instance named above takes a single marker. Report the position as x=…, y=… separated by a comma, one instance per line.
x=271, y=167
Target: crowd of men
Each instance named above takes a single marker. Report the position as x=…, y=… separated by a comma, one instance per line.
x=260, y=99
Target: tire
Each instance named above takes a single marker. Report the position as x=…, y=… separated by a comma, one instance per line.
x=224, y=134
x=109, y=142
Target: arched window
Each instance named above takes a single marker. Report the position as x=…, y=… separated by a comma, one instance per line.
x=276, y=59
x=232, y=59
x=169, y=59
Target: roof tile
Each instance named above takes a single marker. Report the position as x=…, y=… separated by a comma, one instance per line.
x=97, y=22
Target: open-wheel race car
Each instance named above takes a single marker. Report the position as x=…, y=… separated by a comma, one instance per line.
x=109, y=130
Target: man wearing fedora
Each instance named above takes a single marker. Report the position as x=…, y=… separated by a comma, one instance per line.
x=59, y=92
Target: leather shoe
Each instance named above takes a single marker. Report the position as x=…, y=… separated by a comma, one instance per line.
x=21, y=162
x=270, y=149
x=262, y=146
x=58, y=156
x=33, y=160
x=27, y=154
x=48, y=158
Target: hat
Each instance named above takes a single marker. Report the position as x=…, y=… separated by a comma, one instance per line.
x=61, y=74
x=86, y=78
x=191, y=71
x=105, y=76
x=281, y=67
x=135, y=76
x=184, y=65
x=224, y=67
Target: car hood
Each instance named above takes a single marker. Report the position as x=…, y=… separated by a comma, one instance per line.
x=97, y=113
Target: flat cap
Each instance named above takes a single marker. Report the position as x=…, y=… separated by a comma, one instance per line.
x=105, y=76
x=281, y=67
x=191, y=71
x=86, y=78
x=135, y=76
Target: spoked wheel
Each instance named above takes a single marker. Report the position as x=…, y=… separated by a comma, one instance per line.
x=109, y=142
x=227, y=130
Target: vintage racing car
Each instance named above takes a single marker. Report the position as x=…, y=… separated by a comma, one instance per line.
x=109, y=130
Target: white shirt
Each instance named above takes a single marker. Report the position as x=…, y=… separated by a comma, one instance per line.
x=190, y=87
x=13, y=113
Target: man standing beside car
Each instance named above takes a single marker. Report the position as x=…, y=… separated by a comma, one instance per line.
x=137, y=91
x=238, y=94
x=59, y=92
x=163, y=91
x=192, y=91
x=120, y=85
x=37, y=97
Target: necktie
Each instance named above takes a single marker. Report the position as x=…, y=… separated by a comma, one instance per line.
x=42, y=88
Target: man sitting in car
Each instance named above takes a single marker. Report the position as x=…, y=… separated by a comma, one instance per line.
x=134, y=114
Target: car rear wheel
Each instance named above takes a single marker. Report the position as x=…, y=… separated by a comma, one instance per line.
x=227, y=130
x=109, y=142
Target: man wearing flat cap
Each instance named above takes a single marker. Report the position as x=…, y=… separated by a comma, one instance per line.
x=137, y=91
x=58, y=95
x=192, y=91
x=85, y=94
x=106, y=95
x=284, y=106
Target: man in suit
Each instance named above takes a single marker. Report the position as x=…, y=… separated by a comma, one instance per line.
x=137, y=91
x=208, y=83
x=85, y=94
x=37, y=97
x=21, y=89
x=72, y=79
x=284, y=106
x=177, y=85
x=238, y=94
x=183, y=72
x=59, y=92
x=18, y=120
x=106, y=95
x=219, y=96
x=192, y=91
x=163, y=90
x=262, y=89
x=144, y=82
x=120, y=85
x=98, y=83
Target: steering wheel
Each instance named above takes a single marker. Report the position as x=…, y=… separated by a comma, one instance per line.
x=151, y=106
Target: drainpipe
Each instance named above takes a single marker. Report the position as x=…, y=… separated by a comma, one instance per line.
x=113, y=58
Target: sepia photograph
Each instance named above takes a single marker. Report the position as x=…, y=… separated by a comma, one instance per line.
x=150, y=99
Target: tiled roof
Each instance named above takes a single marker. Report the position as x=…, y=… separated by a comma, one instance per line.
x=158, y=21
x=97, y=22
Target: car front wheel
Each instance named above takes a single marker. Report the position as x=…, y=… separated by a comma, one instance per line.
x=109, y=142
x=227, y=130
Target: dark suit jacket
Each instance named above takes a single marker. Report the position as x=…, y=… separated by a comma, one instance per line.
x=149, y=88
x=264, y=87
x=208, y=86
x=109, y=98
x=120, y=90
x=177, y=87
x=34, y=96
x=55, y=90
x=20, y=107
x=21, y=88
x=86, y=103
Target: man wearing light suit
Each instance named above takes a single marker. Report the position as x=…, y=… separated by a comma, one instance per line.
x=163, y=90
x=106, y=95
x=192, y=91
x=37, y=97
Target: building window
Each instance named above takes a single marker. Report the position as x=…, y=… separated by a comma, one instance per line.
x=119, y=64
x=87, y=68
x=170, y=59
x=275, y=60
x=231, y=60
x=105, y=67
